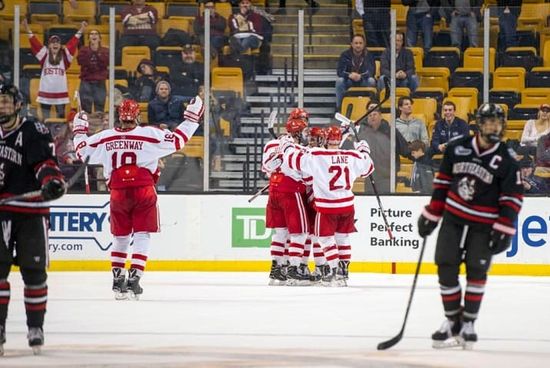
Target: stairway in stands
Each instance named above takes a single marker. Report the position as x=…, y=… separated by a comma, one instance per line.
x=327, y=34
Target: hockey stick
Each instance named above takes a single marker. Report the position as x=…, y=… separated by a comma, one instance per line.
x=38, y=193
x=258, y=193
x=271, y=122
x=86, y=178
x=351, y=124
x=394, y=340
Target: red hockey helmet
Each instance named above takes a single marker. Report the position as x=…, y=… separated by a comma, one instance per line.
x=299, y=113
x=317, y=136
x=128, y=111
x=295, y=126
x=334, y=135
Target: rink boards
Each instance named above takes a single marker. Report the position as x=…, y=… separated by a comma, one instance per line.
x=226, y=233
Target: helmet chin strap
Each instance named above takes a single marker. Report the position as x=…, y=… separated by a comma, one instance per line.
x=491, y=138
x=9, y=119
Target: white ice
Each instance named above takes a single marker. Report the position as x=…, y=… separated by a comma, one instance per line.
x=235, y=320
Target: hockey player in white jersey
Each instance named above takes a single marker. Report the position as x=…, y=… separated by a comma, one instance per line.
x=129, y=155
x=333, y=171
x=286, y=210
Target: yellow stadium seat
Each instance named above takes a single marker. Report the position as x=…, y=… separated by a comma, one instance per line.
x=8, y=11
x=509, y=77
x=535, y=96
x=421, y=117
x=377, y=67
x=132, y=55
x=405, y=170
x=469, y=92
x=532, y=15
x=224, y=9
x=401, y=188
x=37, y=30
x=85, y=11
x=473, y=58
x=399, y=92
x=363, y=91
x=434, y=77
x=194, y=147
x=401, y=14
x=74, y=68
x=45, y=19
x=463, y=106
x=515, y=124
x=73, y=84
x=33, y=89
x=357, y=25
x=228, y=79
x=358, y=107
x=418, y=54
x=358, y=185
x=426, y=106
x=546, y=53
x=181, y=23
x=512, y=134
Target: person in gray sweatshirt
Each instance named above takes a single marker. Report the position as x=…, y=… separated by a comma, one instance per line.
x=412, y=129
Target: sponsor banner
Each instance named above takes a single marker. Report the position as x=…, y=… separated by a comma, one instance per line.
x=228, y=228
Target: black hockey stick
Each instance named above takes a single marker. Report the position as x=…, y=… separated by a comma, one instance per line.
x=394, y=340
x=38, y=193
x=258, y=193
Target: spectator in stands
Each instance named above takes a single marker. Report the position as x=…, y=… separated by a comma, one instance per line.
x=508, y=13
x=217, y=28
x=422, y=174
x=376, y=21
x=188, y=76
x=144, y=88
x=420, y=19
x=245, y=26
x=463, y=15
x=531, y=183
x=165, y=110
x=376, y=131
x=451, y=126
x=534, y=129
x=411, y=128
x=282, y=6
x=543, y=159
x=405, y=75
x=139, y=21
x=94, y=64
x=356, y=68
x=55, y=59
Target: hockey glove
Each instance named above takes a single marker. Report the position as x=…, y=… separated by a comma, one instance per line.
x=425, y=226
x=80, y=123
x=362, y=146
x=53, y=189
x=285, y=142
x=499, y=241
x=194, y=110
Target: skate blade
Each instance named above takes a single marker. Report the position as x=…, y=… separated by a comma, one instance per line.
x=121, y=296
x=447, y=344
x=1, y=350
x=36, y=350
x=298, y=283
x=466, y=345
x=133, y=296
x=277, y=283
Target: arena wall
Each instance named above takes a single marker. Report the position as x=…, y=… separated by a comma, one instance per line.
x=226, y=233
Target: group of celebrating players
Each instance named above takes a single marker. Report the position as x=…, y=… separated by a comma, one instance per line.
x=311, y=201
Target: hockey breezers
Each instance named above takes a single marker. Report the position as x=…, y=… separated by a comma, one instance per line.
x=394, y=340
x=38, y=193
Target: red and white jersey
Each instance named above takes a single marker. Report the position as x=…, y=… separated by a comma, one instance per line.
x=333, y=172
x=53, y=89
x=130, y=157
x=282, y=177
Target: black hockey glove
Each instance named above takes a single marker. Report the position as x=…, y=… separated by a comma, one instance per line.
x=425, y=226
x=53, y=189
x=499, y=241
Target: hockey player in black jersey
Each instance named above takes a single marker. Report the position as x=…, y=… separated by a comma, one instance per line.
x=478, y=193
x=27, y=163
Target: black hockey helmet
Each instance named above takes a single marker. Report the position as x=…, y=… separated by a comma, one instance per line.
x=13, y=91
x=488, y=111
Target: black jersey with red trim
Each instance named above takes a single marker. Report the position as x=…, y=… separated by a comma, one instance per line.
x=475, y=185
x=27, y=161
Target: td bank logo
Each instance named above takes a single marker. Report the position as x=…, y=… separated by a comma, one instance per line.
x=248, y=228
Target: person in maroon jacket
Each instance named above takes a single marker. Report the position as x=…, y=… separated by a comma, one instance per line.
x=217, y=28
x=246, y=29
x=140, y=26
x=94, y=64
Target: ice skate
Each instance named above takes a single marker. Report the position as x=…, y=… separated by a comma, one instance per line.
x=341, y=279
x=273, y=266
x=295, y=278
x=134, y=289
x=304, y=270
x=316, y=276
x=277, y=277
x=447, y=335
x=2, y=339
x=344, y=266
x=329, y=277
x=119, y=284
x=36, y=339
x=467, y=336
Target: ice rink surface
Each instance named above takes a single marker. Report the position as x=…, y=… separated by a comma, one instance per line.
x=191, y=319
